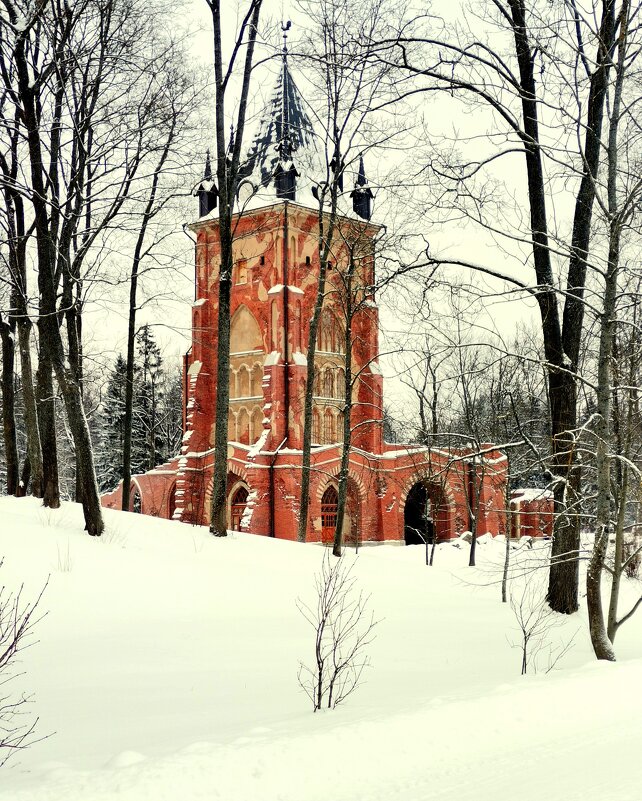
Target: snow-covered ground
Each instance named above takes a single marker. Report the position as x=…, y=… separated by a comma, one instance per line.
x=166, y=669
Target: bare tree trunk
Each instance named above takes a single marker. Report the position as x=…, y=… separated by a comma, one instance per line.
x=347, y=416
x=8, y=408
x=308, y=404
x=562, y=342
x=32, y=427
x=602, y=645
x=47, y=428
x=50, y=337
x=227, y=172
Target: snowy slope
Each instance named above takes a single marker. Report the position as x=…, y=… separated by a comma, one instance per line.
x=167, y=669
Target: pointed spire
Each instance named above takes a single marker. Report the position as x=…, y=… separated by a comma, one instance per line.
x=231, y=143
x=207, y=192
x=362, y=195
x=361, y=176
x=284, y=136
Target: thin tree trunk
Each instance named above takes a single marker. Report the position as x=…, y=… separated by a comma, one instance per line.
x=602, y=645
x=347, y=421
x=50, y=336
x=9, y=409
x=47, y=428
x=34, y=448
x=227, y=178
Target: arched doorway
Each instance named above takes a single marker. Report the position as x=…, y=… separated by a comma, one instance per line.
x=237, y=507
x=423, y=514
x=329, y=504
x=137, y=503
x=172, y=502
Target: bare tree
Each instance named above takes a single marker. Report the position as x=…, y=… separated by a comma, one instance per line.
x=228, y=162
x=501, y=75
x=535, y=621
x=343, y=629
x=18, y=617
x=353, y=89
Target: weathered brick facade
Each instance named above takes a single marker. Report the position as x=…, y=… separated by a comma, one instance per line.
x=274, y=285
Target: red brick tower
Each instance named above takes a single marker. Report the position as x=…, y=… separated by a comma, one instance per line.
x=401, y=492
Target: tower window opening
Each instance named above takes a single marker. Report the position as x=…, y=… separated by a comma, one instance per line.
x=307, y=261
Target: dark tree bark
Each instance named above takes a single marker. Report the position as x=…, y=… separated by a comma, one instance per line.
x=47, y=428
x=50, y=335
x=12, y=465
x=347, y=409
x=227, y=175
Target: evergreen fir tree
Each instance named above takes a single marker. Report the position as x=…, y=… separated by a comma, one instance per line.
x=109, y=459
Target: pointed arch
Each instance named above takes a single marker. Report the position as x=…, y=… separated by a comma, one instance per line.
x=256, y=383
x=330, y=333
x=329, y=505
x=328, y=427
x=256, y=424
x=245, y=334
x=243, y=426
x=316, y=426
x=243, y=381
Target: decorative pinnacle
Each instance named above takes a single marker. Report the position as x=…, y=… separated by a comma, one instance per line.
x=285, y=28
x=208, y=167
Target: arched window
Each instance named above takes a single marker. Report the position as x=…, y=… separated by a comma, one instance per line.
x=243, y=427
x=233, y=393
x=330, y=334
x=257, y=381
x=316, y=426
x=341, y=382
x=339, y=426
x=237, y=508
x=329, y=504
x=328, y=427
x=241, y=271
x=245, y=334
x=256, y=424
x=328, y=383
x=231, y=426
x=275, y=326
x=244, y=381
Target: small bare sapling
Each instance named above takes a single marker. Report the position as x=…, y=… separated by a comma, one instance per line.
x=17, y=620
x=536, y=621
x=343, y=629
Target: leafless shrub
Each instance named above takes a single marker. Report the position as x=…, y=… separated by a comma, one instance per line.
x=535, y=621
x=343, y=629
x=18, y=617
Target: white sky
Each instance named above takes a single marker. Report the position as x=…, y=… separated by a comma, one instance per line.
x=106, y=328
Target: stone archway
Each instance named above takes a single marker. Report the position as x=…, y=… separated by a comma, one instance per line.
x=237, y=502
x=425, y=514
x=136, y=503
x=329, y=504
x=352, y=515
x=171, y=504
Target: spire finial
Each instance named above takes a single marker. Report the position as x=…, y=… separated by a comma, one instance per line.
x=285, y=28
x=207, y=175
